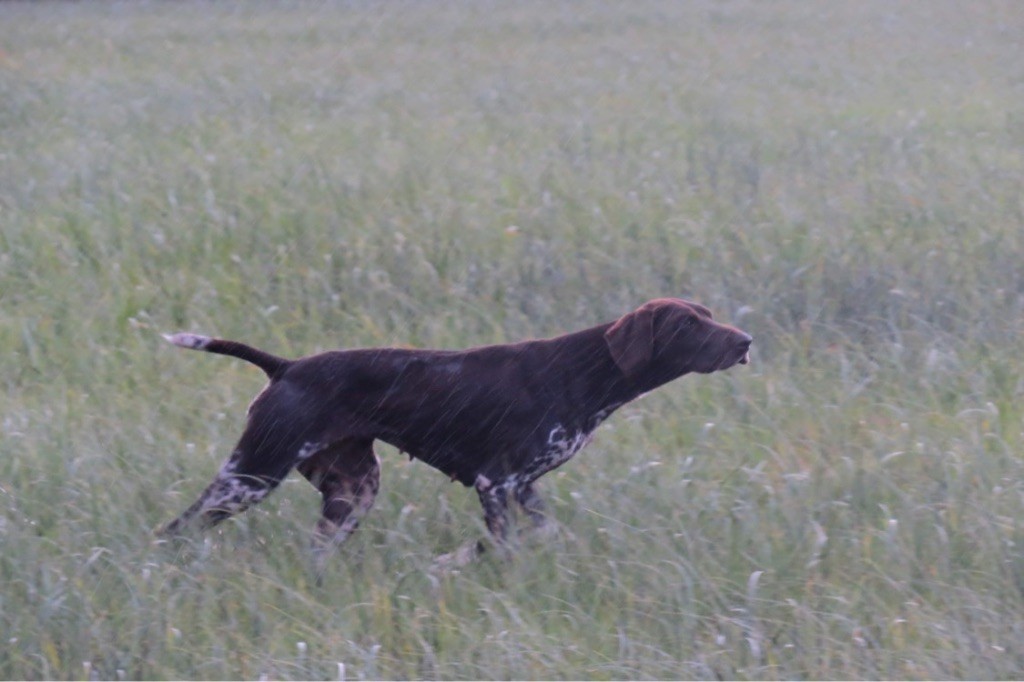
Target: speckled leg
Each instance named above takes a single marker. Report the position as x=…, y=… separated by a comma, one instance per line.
x=347, y=474
x=230, y=492
x=494, y=499
x=534, y=506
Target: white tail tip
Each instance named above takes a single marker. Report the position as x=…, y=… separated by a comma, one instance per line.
x=186, y=340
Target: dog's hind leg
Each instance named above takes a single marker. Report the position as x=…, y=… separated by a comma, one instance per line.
x=347, y=474
x=266, y=452
x=231, y=492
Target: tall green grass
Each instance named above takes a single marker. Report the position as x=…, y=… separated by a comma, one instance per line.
x=841, y=180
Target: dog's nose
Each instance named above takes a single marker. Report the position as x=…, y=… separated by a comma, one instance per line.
x=744, y=344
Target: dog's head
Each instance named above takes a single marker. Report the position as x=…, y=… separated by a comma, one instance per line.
x=669, y=337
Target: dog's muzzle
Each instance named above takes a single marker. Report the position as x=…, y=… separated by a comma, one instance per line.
x=744, y=349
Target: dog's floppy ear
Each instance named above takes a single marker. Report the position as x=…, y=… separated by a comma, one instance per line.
x=631, y=340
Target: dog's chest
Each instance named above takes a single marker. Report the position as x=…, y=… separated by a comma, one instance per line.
x=561, y=446
x=563, y=442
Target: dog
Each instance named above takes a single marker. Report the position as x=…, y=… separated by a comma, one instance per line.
x=495, y=418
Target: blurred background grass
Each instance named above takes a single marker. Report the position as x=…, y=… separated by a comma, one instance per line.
x=842, y=180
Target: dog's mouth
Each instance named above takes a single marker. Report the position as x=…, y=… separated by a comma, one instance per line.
x=744, y=351
x=742, y=357
x=734, y=351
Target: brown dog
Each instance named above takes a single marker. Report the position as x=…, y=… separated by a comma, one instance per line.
x=496, y=417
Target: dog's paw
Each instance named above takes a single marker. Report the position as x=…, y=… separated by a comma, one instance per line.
x=463, y=556
x=549, y=532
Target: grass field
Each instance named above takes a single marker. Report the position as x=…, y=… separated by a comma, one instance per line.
x=842, y=180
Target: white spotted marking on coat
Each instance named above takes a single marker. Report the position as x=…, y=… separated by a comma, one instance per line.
x=309, y=449
x=232, y=494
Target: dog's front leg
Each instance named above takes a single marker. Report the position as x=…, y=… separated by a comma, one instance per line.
x=534, y=506
x=544, y=527
x=494, y=497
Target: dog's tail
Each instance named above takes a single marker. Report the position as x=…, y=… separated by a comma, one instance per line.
x=271, y=364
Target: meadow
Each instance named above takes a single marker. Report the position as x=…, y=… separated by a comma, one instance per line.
x=842, y=180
